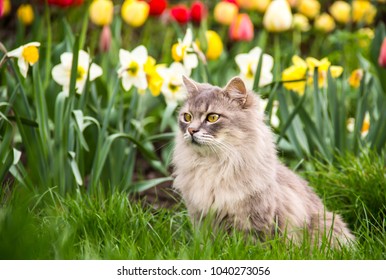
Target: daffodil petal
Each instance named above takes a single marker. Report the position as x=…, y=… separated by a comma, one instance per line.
x=95, y=71
x=140, y=54
x=61, y=75
x=23, y=66
x=16, y=52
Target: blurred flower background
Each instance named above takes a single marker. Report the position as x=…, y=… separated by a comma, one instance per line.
x=89, y=89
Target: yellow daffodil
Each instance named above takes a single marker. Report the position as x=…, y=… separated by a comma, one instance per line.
x=323, y=65
x=101, y=12
x=172, y=86
x=134, y=12
x=301, y=22
x=309, y=8
x=61, y=73
x=355, y=78
x=25, y=14
x=324, y=23
x=247, y=63
x=132, y=69
x=225, y=12
x=215, y=45
x=154, y=79
x=365, y=126
x=363, y=11
x=341, y=11
x=297, y=71
x=278, y=16
x=183, y=52
x=27, y=55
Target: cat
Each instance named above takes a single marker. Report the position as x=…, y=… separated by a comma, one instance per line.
x=225, y=163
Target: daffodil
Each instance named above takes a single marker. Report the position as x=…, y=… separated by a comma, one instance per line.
x=365, y=125
x=183, y=52
x=27, y=55
x=323, y=65
x=297, y=71
x=132, y=68
x=172, y=86
x=247, y=62
x=154, y=79
x=355, y=78
x=61, y=73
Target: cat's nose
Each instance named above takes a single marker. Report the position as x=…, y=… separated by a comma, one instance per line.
x=192, y=130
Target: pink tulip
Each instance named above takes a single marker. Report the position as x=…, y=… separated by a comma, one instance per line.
x=105, y=39
x=241, y=28
x=382, y=54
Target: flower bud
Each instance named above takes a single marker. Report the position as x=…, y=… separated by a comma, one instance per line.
x=300, y=22
x=241, y=28
x=363, y=11
x=309, y=8
x=382, y=54
x=157, y=7
x=225, y=12
x=215, y=45
x=324, y=23
x=105, y=39
x=180, y=13
x=278, y=17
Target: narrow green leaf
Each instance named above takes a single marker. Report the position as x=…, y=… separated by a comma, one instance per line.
x=144, y=185
x=170, y=108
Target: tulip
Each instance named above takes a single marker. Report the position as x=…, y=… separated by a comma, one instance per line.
x=157, y=7
x=225, y=12
x=324, y=23
x=105, y=39
x=301, y=22
x=1, y=7
x=341, y=11
x=241, y=28
x=25, y=13
x=215, y=45
x=101, y=12
x=135, y=13
x=363, y=11
x=278, y=17
x=382, y=54
x=309, y=8
x=180, y=13
x=198, y=11
x=262, y=5
x=65, y=3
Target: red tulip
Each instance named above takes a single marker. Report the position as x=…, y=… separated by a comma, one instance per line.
x=241, y=28
x=180, y=13
x=232, y=1
x=382, y=54
x=157, y=7
x=1, y=7
x=65, y=3
x=198, y=11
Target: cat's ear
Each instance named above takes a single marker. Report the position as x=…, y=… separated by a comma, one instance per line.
x=236, y=90
x=190, y=85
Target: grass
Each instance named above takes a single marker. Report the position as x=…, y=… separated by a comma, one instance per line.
x=46, y=225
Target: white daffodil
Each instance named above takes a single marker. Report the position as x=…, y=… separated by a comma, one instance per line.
x=183, y=51
x=275, y=121
x=247, y=62
x=61, y=73
x=132, y=68
x=172, y=87
x=27, y=55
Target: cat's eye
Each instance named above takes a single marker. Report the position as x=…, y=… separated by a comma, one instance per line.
x=187, y=117
x=212, y=118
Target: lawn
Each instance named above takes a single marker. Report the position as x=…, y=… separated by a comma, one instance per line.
x=89, y=97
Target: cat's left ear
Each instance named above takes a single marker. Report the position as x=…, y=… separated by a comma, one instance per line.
x=190, y=85
x=236, y=90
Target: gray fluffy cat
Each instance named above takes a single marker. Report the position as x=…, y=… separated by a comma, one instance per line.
x=225, y=163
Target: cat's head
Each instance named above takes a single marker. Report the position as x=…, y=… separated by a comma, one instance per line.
x=216, y=119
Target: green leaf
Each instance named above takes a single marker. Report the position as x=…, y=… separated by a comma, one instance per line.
x=170, y=108
x=144, y=185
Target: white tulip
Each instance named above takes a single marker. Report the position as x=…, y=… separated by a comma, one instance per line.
x=278, y=16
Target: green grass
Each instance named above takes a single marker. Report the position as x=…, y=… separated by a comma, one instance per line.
x=45, y=225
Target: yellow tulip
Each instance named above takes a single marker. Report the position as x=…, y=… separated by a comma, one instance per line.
x=309, y=8
x=341, y=11
x=363, y=11
x=278, y=17
x=301, y=22
x=215, y=45
x=225, y=12
x=134, y=12
x=325, y=23
x=355, y=78
x=259, y=5
x=25, y=13
x=101, y=12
